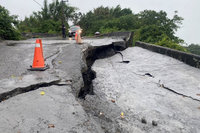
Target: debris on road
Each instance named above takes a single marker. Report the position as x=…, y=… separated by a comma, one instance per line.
x=143, y=120
x=112, y=100
x=20, y=78
x=42, y=93
x=51, y=125
x=154, y=123
x=122, y=115
x=100, y=113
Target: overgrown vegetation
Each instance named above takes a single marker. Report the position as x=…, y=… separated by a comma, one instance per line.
x=194, y=48
x=49, y=19
x=149, y=26
x=7, y=25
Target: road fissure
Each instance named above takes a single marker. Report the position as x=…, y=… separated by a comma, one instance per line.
x=21, y=90
x=90, y=55
x=173, y=91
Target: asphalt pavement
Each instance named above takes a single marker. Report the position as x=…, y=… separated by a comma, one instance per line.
x=156, y=93
x=44, y=101
x=151, y=93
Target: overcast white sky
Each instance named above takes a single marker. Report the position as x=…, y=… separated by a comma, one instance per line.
x=188, y=9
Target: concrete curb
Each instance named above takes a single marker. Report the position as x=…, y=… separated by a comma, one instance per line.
x=190, y=59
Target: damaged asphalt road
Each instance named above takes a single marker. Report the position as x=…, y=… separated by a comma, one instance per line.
x=127, y=97
x=156, y=93
x=45, y=101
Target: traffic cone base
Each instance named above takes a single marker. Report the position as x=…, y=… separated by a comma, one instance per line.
x=39, y=68
x=38, y=61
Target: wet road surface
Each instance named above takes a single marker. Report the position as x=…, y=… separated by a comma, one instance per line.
x=151, y=93
x=156, y=93
x=24, y=108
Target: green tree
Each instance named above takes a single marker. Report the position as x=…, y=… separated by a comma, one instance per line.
x=167, y=42
x=162, y=22
x=7, y=25
x=49, y=19
x=76, y=18
x=194, y=48
x=149, y=26
x=106, y=19
x=151, y=34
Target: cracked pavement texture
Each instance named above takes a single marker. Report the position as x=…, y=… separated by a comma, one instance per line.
x=30, y=112
x=135, y=94
x=140, y=96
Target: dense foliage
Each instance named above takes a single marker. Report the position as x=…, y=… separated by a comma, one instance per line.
x=149, y=26
x=106, y=19
x=194, y=48
x=49, y=19
x=7, y=25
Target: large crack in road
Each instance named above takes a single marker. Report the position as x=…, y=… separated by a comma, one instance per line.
x=21, y=90
x=90, y=55
x=109, y=122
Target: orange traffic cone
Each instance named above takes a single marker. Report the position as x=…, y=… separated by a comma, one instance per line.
x=38, y=61
x=41, y=46
x=78, y=41
x=76, y=36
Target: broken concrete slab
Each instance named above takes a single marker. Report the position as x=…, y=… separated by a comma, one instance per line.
x=69, y=66
x=101, y=41
x=141, y=96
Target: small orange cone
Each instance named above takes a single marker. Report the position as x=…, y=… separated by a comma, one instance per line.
x=78, y=40
x=76, y=36
x=38, y=61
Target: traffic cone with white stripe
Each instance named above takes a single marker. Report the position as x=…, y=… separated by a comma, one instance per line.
x=38, y=61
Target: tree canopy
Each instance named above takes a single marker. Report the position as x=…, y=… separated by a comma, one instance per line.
x=149, y=26
x=7, y=25
x=194, y=48
x=49, y=19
